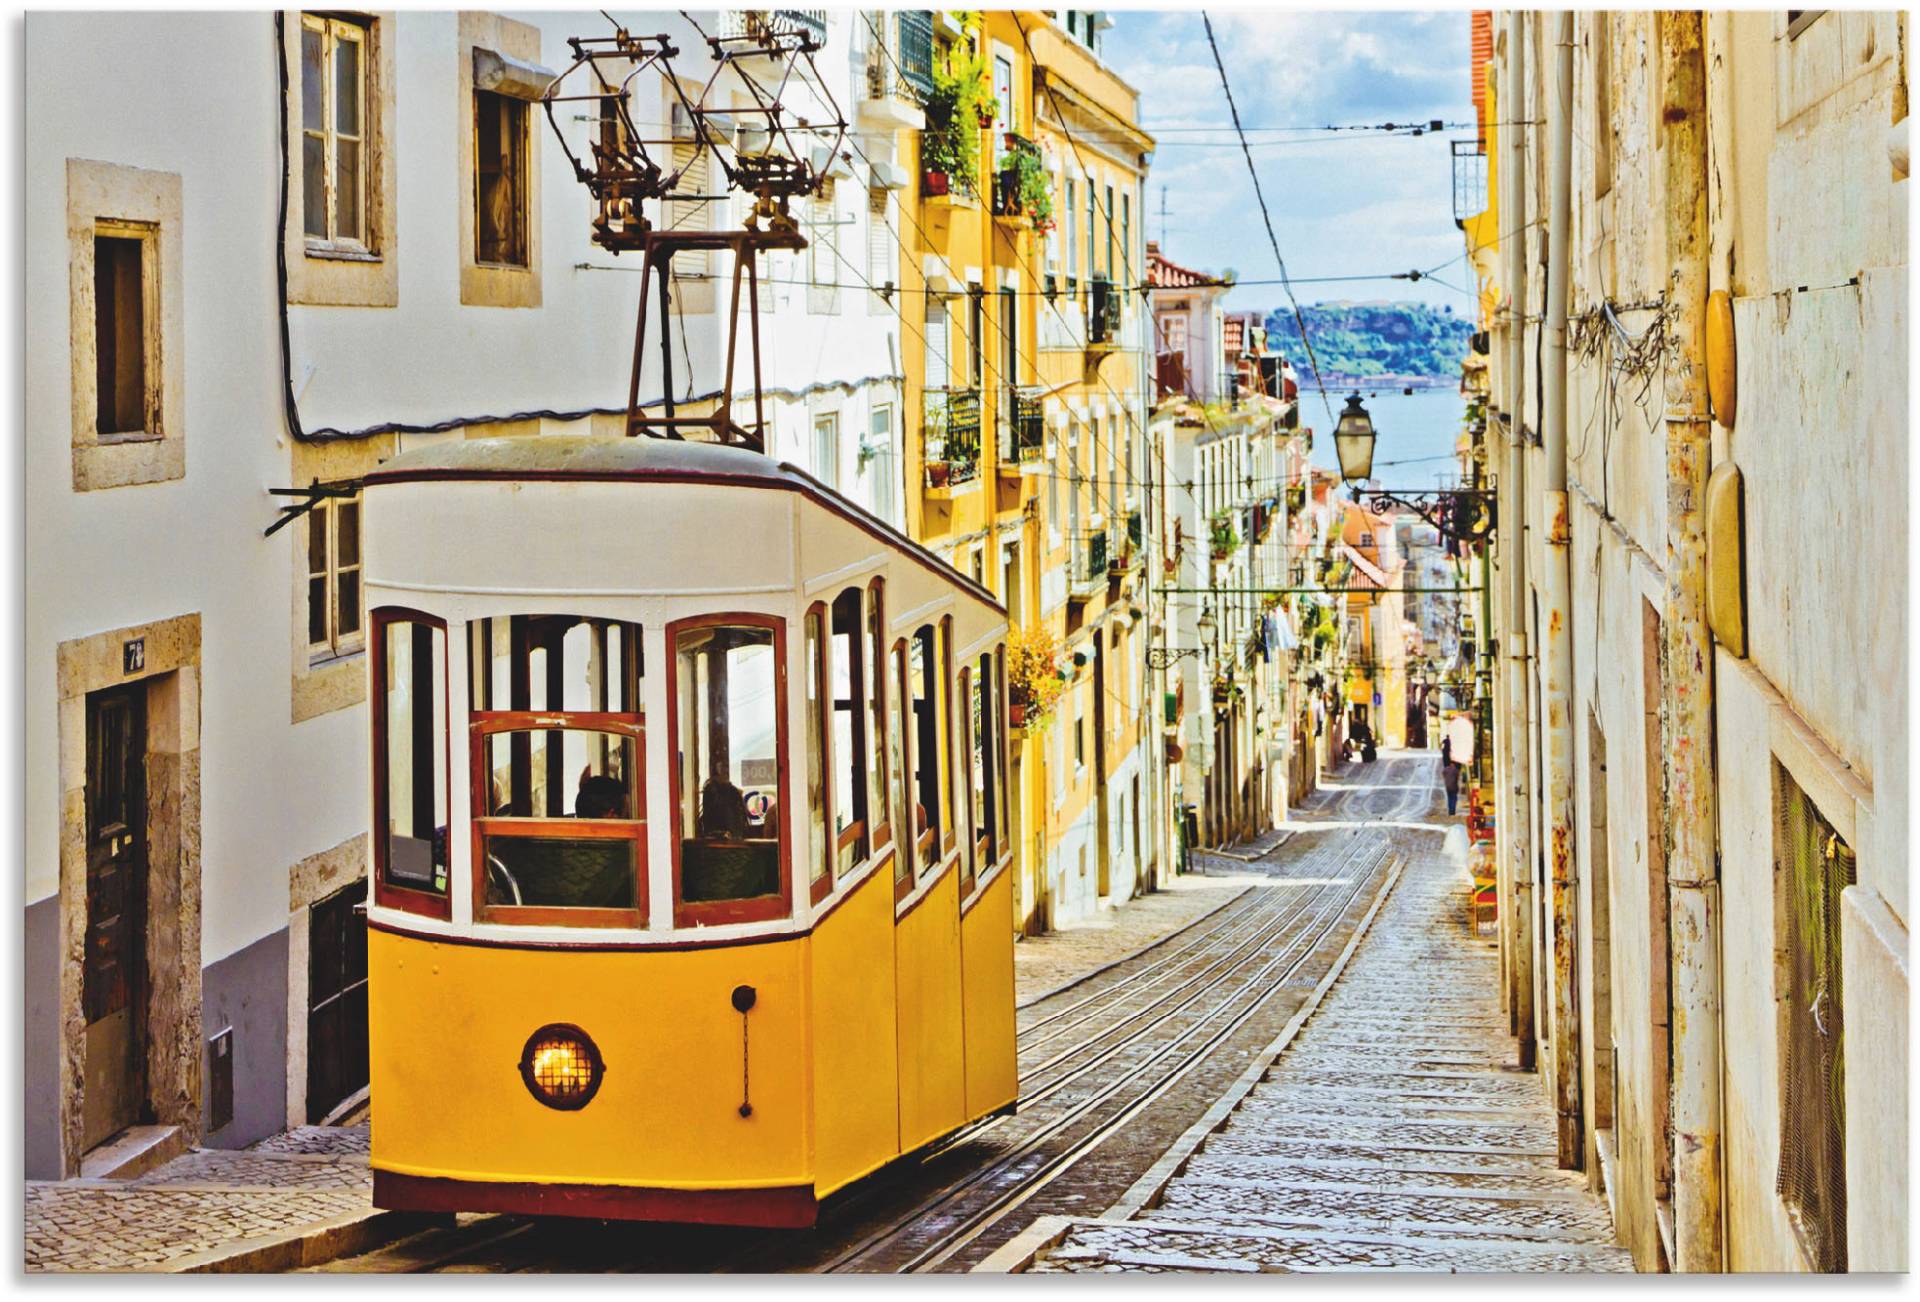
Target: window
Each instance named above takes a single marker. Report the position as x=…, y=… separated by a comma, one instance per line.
x=974, y=859
x=126, y=402
x=883, y=270
x=1004, y=827
x=848, y=735
x=1079, y=737
x=983, y=709
x=1073, y=240
x=928, y=690
x=876, y=684
x=1005, y=120
x=1093, y=224
x=903, y=858
x=1010, y=580
x=125, y=326
x=1010, y=336
x=937, y=375
x=824, y=259
x=1126, y=241
x=976, y=334
x=826, y=449
x=1814, y=866
x=690, y=269
x=500, y=179
x=333, y=121
x=410, y=762
x=819, y=855
x=729, y=701
x=1109, y=211
x=333, y=578
x=558, y=739
x=882, y=465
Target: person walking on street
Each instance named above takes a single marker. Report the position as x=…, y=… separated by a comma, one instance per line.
x=1450, y=775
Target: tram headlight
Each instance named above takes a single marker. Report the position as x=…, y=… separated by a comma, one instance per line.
x=562, y=1066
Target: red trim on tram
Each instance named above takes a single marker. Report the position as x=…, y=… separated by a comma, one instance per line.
x=898, y=541
x=786, y=1207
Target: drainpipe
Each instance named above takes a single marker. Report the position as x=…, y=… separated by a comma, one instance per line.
x=1557, y=649
x=1686, y=712
x=1513, y=541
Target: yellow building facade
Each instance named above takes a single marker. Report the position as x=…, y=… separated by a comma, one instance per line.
x=1020, y=247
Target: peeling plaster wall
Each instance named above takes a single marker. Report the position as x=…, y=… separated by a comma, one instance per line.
x=1802, y=199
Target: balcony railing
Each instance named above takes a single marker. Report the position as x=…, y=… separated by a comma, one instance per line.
x=1094, y=558
x=1023, y=424
x=1103, y=313
x=951, y=424
x=762, y=23
x=900, y=56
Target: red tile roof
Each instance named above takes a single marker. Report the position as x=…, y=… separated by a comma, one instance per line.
x=1163, y=273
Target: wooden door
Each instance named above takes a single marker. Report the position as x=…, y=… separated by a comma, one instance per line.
x=336, y=1002
x=114, y=967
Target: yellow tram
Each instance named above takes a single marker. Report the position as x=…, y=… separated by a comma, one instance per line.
x=690, y=892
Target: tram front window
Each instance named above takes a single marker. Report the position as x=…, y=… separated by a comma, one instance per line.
x=559, y=829
x=727, y=713
x=559, y=820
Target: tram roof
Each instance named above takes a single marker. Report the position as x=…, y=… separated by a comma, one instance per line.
x=618, y=457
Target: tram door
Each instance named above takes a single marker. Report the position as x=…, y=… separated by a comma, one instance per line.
x=114, y=970
x=336, y=1002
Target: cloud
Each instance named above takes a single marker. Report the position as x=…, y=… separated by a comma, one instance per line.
x=1346, y=205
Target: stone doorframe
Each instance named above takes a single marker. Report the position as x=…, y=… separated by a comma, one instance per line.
x=165, y=655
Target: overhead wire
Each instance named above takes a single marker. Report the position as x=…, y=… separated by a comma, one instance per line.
x=1266, y=216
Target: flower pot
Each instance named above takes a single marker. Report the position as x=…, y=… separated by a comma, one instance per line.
x=938, y=472
x=1017, y=715
x=935, y=184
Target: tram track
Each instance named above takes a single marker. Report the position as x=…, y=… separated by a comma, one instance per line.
x=945, y=1225
x=954, y=1201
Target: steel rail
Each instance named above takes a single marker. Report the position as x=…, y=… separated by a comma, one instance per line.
x=1334, y=904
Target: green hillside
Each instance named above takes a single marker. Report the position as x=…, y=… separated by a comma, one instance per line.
x=1377, y=338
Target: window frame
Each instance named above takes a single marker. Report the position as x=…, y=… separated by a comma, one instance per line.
x=901, y=750
x=943, y=707
x=971, y=851
x=329, y=25
x=482, y=724
x=336, y=646
x=879, y=821
x=522, y=186
x=761, y=908
x=407, y=899
x=820, y=706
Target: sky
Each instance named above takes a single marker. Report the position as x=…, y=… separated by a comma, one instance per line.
x=1353, y=204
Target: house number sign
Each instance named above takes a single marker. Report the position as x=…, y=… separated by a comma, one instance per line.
x=133, y=655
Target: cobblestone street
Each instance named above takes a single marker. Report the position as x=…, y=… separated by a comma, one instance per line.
x=205, y=1205
x=1391, y=1134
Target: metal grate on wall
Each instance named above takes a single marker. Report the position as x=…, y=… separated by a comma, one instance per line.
x=1815, y=866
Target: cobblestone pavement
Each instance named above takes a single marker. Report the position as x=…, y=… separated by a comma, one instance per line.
x=1043, y=964
x=1390, y=1135
x=199, y=1203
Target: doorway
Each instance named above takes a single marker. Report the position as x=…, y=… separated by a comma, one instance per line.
x=114, y=965
x=336, y=1002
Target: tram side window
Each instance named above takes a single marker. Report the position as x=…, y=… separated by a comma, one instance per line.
x=819, y=853
x=896, y=764
x=983, y=711
x=849, y=743
x=973, y=858
x=878, y=815
x=728, y=743
x=1004, y=827
x=557, y=741
x=410, y=732
x=928, y=773
x=949, y=776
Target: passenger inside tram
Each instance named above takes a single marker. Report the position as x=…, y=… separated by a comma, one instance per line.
x=727, y=742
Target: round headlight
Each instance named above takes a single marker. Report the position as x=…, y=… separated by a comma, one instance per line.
x=561, y=1066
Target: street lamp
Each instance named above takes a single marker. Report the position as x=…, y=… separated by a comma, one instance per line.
x=1161, y=658
x=1353, y=441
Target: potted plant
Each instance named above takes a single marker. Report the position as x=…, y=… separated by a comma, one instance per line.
x=1223, y=537
x=1033, y=676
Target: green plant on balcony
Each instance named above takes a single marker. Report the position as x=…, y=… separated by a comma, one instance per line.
x=1021, y=189
x=1222, y=537
x=960, y=104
